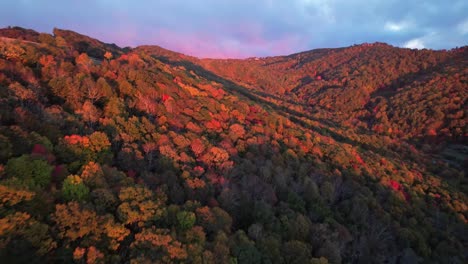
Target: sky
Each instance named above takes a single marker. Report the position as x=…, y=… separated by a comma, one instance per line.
x=249, y=28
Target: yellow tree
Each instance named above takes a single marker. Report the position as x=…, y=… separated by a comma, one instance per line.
x=153, y=244
x=108, y=55
x=139, y=205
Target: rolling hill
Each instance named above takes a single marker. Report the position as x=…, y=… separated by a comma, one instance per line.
x=144, y=155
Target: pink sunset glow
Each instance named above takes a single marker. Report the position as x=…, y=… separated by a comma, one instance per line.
x=239, y=29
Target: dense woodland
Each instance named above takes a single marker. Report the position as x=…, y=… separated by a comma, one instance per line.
x=143, y=155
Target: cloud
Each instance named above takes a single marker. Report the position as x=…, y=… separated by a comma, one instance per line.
x=392, y=26
x=414, y=44
x=463, y=27
x=245, y=28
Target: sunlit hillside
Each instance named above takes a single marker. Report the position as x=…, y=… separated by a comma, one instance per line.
x=144, y=155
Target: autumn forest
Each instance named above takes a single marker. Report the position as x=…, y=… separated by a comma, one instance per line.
x=144, y=155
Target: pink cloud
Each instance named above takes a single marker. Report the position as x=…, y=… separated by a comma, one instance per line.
x=240, y=40
x=247, y=42
x=123, y=32
x=200, y=44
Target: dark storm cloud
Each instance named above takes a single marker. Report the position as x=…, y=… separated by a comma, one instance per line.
x=243, y=28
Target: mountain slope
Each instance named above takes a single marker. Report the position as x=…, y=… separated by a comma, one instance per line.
x=149, y=155
x=350, y=83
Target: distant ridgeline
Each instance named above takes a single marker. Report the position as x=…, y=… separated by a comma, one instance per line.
x=145, y=155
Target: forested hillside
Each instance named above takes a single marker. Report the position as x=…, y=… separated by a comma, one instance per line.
x=111, y=155
x=400, y=92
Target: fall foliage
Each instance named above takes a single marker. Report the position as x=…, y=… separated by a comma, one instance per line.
x=143, y=155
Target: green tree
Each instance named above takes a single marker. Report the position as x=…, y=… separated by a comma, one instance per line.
x=244, y=249
x=270, y=247
x=74, y=189
x=33, y=172
x=296, y=252
x=186, y=219
x=6, y=148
